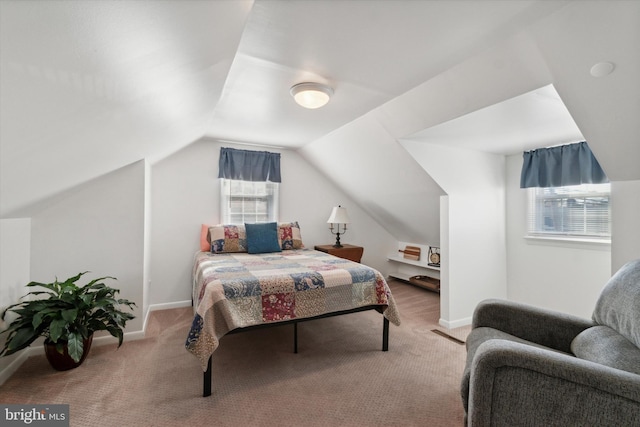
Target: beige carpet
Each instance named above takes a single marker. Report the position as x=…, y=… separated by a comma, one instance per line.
x=339, y=377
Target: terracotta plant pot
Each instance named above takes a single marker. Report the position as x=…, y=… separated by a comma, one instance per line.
x=64, y=362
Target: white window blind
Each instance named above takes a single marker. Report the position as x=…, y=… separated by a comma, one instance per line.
x=251, y=202
x=576, y=211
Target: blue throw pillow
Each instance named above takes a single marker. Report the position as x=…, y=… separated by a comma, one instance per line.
x=262, y=238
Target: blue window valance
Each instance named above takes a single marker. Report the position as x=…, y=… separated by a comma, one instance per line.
x=570, y=164
x=246, y=165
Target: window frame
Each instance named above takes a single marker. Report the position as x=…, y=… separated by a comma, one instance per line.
x=583, y=196
x=250, y=192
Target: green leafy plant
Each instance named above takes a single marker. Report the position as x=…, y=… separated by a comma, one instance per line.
x=68, y=315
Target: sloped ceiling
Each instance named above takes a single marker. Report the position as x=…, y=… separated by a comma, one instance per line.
x=88, y=87
x=369, y=51
x=523, y=123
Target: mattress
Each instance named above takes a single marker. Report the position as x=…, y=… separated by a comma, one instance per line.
x=238, y=290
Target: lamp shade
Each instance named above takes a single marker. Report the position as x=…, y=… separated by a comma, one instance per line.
x=311, y=95
x=338, y=216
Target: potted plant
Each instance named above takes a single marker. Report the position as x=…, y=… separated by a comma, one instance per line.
x=67, y=318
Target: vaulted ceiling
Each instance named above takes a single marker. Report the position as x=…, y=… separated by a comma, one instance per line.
x=89, y=87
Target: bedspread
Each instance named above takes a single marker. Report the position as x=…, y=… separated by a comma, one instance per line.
x=236, y=290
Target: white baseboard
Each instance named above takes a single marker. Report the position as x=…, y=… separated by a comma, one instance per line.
x=108, y=339
x=13, y=366
x=38, y=348
x=164, y=306
x=170, y=305
x=455, y=324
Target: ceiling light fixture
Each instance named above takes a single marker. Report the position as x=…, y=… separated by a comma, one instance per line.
x=311, y=95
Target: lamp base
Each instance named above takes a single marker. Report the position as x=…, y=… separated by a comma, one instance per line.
x=337, y=245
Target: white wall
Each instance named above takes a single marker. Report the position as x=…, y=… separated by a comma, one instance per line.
x=625, y=205
x=445, y=256
x=185, y=194
x=146, y=279
x=473, y=261
x=365, y=160
x=15, y=255
x=562, y=276
x=477, y=253
x=99, y=227
x=15, y=247
x=483, y=259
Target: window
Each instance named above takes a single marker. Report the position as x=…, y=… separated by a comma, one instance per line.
x=249, y=185
x=576, y=211
x=245, y=201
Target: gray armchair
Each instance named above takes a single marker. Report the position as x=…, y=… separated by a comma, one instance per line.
x=528, y=366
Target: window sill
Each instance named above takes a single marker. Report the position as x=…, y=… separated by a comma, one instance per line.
x=568, y=242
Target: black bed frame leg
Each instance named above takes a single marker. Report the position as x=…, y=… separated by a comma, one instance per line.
x=295, y=337
x=385, y=334
x=207, y=380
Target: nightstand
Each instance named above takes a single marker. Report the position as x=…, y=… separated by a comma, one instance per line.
x=350, y=252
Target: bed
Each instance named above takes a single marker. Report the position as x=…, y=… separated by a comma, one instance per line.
x=236, y=289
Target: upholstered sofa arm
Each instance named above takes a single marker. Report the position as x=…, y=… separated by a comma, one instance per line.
x=541, y=326
x=516, y=384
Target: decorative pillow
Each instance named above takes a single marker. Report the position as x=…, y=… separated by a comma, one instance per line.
x=262, y=238
x=228, y=238
x=617, y=306
x=205, y=243
x=289, y=235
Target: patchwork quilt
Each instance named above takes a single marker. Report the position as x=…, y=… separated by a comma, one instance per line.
x=236, y=290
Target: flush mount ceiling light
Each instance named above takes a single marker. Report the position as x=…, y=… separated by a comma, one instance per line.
x=311, y=95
